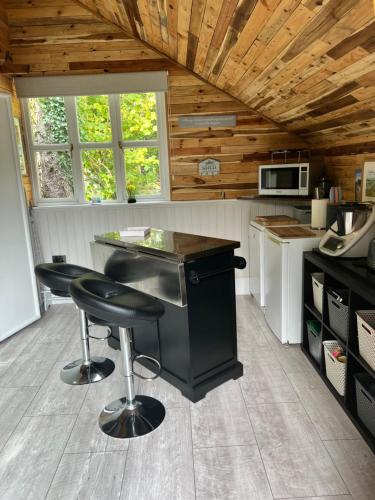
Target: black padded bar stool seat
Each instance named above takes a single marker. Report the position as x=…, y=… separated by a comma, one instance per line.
x=116, y=303
x=133, y=415
x=58, y=277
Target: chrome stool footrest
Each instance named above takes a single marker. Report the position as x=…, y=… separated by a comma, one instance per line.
x=109, y=331
x=150, y=358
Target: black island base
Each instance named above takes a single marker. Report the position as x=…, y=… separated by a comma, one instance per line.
x=193, y=276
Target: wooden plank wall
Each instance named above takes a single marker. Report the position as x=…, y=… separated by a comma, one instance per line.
x=239, y=149
x=6, y=86
x=341, y=169
x=74, y=42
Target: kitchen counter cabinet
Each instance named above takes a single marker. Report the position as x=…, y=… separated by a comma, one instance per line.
x=193, y=276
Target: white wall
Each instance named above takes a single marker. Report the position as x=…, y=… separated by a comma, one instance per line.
x=69, y=229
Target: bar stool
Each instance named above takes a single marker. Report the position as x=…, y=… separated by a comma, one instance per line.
x=87, y=370
x=133, y=415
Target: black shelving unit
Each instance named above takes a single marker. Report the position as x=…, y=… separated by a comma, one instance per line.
x=351, y=275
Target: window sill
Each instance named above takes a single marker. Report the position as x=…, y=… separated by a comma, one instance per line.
x=144, y=203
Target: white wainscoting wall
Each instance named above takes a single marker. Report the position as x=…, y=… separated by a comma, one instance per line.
x=67, y=230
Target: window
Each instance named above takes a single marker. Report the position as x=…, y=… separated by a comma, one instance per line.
x=97, y=146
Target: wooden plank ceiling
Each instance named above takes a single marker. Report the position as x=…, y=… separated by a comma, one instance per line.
x=307, y=64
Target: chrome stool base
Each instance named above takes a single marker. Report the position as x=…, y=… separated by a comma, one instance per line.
x=118, y=421
x=80, y=373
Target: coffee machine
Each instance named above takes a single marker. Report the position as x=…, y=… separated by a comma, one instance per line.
x=352, y=231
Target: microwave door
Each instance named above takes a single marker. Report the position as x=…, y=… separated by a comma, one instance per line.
x=279, y=180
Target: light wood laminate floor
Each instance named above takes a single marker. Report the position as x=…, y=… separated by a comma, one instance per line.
x=275, y=433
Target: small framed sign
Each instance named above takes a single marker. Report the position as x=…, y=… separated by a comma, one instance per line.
x=368, y=181
x=209, y=166
x=207, y=121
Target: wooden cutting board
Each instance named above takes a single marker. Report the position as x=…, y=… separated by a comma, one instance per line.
x=292, y=232
x=276, y=220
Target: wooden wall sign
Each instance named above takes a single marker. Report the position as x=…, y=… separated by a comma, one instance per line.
x=207, y=121
x=209, y=167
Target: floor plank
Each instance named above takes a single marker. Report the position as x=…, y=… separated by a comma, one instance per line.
x=301, y=472
x=29, y=460
x=88, y=476
x=57, y=398
x=220, y=419
x=356, y=464
x=12, y=347
x=88, y=437
x=160, y=465
x=264, y=381
x=282, y=424
x=32, y=366
x=328, y=417
x=13, y=404
x=230, y=473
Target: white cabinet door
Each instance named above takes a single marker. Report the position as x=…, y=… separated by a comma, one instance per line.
x=18, y=297
x=274, y=276
x=254, y=263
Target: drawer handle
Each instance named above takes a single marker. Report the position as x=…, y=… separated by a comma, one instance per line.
x=316, y=284
x=365, y=395
x=335, y=304
x=367, y=330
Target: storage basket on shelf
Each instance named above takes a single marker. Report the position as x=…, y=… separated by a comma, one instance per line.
x=365, y=391
x=335, y=369
x=314, y=331
x=338, y=312
x=317, y=286
x=366, y=336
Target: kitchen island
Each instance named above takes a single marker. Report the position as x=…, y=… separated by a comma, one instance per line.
x=193, y=276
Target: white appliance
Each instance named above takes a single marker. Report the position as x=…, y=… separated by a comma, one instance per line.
x=352, y=232
x=291, y=179
x=256, y=258
x=256, y=262
x=283, y=283
x=19, y=305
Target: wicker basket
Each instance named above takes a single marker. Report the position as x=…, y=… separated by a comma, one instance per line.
x=335, y=370
x=366, y=336
x=338, y=313
x=365, y=385
x=318, y=285
x=314, y=332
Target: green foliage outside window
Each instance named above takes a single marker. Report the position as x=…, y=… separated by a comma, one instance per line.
x=49, y=126
x=138, y=117
x=138, y=123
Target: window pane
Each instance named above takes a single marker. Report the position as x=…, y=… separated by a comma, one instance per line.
x=99, y=174
x=94, y=123
x=48, y=120
x=138, y=116
x=55, y=174
x=142, y=170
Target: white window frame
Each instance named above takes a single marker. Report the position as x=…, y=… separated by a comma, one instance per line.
x=118, y=146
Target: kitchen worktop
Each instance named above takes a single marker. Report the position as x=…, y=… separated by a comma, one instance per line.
x=170, y=244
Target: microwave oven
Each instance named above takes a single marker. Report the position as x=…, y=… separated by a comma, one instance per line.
x=290, y=179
